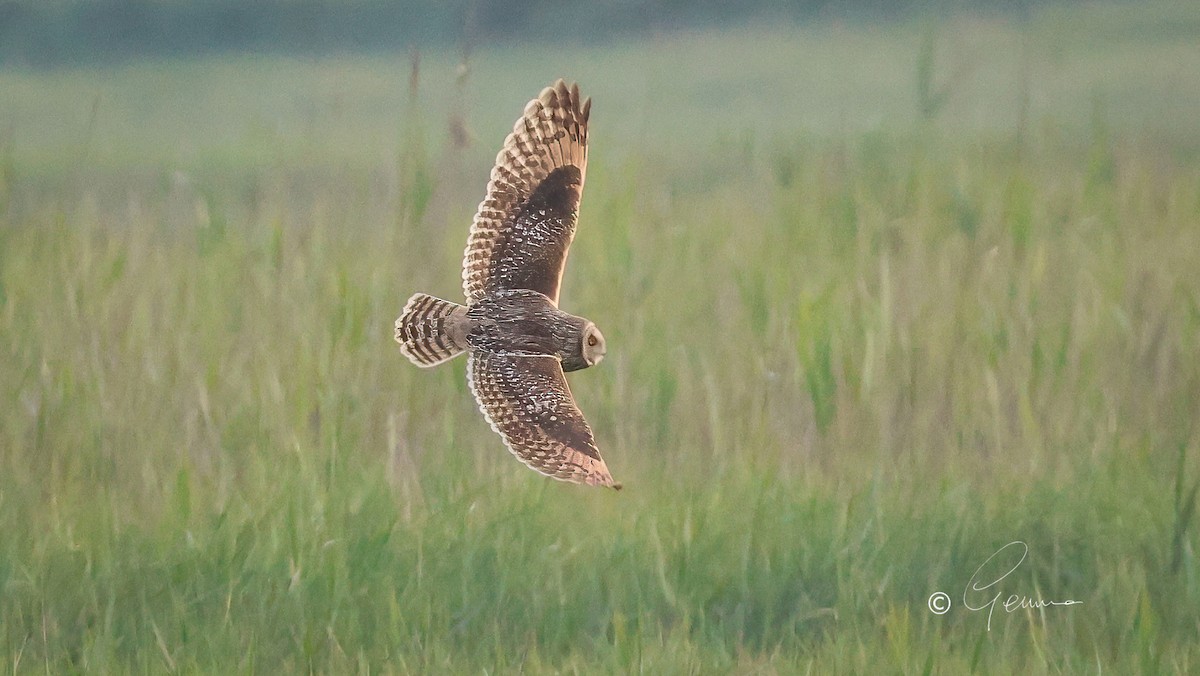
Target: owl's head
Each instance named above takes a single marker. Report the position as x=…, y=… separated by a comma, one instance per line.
x=592, y=346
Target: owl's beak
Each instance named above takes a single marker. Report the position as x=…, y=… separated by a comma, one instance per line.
x=599, y=350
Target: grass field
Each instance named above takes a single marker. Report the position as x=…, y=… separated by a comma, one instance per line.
x=879, y=300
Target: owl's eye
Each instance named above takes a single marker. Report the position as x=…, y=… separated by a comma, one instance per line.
x=592, y=341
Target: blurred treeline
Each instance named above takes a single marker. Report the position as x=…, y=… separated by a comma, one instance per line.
x=53, y=32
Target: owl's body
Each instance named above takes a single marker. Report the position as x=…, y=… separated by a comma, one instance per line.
x=518, y=342
x=519, y=321
x=509, y=321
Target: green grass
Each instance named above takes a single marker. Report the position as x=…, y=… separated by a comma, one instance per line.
x=848, y=361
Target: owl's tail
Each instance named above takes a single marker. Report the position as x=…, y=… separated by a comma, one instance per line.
x=431, y=330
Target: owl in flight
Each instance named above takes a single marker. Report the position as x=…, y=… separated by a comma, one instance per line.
x=518, y=342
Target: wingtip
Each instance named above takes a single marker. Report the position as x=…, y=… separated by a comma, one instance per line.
x=603, y=479
x=604, y=482
x=566, y=92
x=589, y=470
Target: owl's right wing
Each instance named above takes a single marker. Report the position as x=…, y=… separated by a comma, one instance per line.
x=526, y=400
x=524, y=227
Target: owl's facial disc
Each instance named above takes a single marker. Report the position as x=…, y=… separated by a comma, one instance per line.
x=593, y=345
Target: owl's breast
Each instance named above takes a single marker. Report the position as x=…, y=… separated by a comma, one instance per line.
x=523, y=322
x=511, y=335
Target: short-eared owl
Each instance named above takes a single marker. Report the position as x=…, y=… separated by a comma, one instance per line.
x=518, y=342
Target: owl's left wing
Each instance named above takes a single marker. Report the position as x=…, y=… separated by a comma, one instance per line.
x=526, y=400
x=524, y=227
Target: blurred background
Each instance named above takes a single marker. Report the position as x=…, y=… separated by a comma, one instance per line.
x=202, y=77
x=886, y=287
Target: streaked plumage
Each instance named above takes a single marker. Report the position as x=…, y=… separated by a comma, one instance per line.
x=519, y=344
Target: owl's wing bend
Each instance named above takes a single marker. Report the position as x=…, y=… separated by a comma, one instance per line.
x=525, y=224
x=526, y=400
